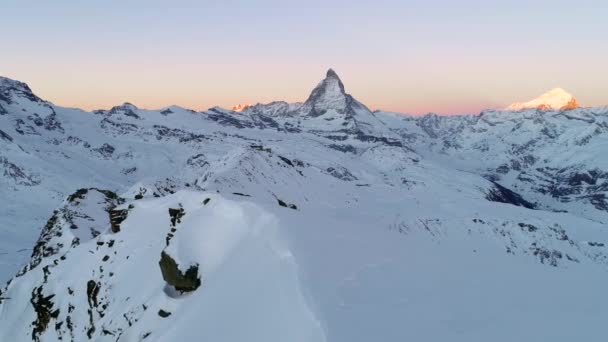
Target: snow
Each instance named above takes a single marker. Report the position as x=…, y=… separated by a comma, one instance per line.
x=556, y=98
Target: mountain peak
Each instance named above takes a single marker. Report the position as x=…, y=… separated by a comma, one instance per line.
x=554, y=99
x=328, y=94
x=9, y=87
x=241, y=107
x=331, y=73
x=6, y=82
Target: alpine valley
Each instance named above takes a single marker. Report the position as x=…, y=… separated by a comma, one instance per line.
x=313, y=221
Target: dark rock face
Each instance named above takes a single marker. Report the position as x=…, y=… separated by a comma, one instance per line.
x=116, y=218
x=93, y=288
x=599, y=201
x=546, y=256
x=164, y=314
x=370, y=138
x=317, y=95
x=125, y=109
x=17, y=174
x=69, y=214
x=341, y=173
x=118, y=127
x=568, y=184
x=51, y=123
x=197, y=161
x=263, y=121
x=343, y=148
x=10, y=88
x=330, y=94
x=24, y=129
x=166, y=133
x=182, y=281
x=176, y=215
x=226, y=119
x=286, y=205
x=503, y=195
x=106, y=150
x=80, y=194
x=43, y=306
x=129, y=170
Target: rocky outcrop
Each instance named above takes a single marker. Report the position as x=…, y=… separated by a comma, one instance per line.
x=116, y=218
x=16, y=174
x=10, y=88
x=182, y=281
x=499, y=193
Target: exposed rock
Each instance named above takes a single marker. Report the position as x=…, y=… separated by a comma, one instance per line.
x=43, y=307
x=10, y=88
x=164, y=314
x=17, y=174
x=197, y=161
x=286, y=205
x=116, y=218
x=182, y=281
x=341, y=173
x=126, y=109
x=503, y=195
x=176, y=215
x=106, y=150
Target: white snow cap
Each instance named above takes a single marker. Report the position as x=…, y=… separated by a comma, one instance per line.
x=556, y=98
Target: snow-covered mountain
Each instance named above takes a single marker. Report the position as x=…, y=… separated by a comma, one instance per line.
x=313, y=221
x=240, y=107
x=557, y=99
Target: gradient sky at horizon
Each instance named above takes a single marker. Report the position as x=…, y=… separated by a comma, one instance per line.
x=407, y=56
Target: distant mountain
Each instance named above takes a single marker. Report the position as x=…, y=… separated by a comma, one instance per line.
x=312, y=221
x=556, y=99
x=240, y=107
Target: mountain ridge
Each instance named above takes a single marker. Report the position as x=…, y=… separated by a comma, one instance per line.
x=554, y=99
x=273, y=224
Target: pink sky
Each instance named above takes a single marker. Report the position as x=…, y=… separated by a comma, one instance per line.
x=403, y=56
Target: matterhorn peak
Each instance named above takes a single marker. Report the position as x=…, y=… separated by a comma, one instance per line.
x=554, y=99
x=328, y=94
x=331, y=73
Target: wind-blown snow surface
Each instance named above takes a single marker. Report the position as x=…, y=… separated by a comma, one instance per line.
x=319, y=221
x=248, y=270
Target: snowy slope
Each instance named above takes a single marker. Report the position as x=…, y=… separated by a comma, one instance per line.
x=553, y=158
x=314, y=221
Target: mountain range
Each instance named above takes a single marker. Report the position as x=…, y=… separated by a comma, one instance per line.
x=313, y=221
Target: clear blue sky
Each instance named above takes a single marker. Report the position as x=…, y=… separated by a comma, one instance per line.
x=408, y=56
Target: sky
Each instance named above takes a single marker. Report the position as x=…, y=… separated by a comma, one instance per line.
x=405, y=56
